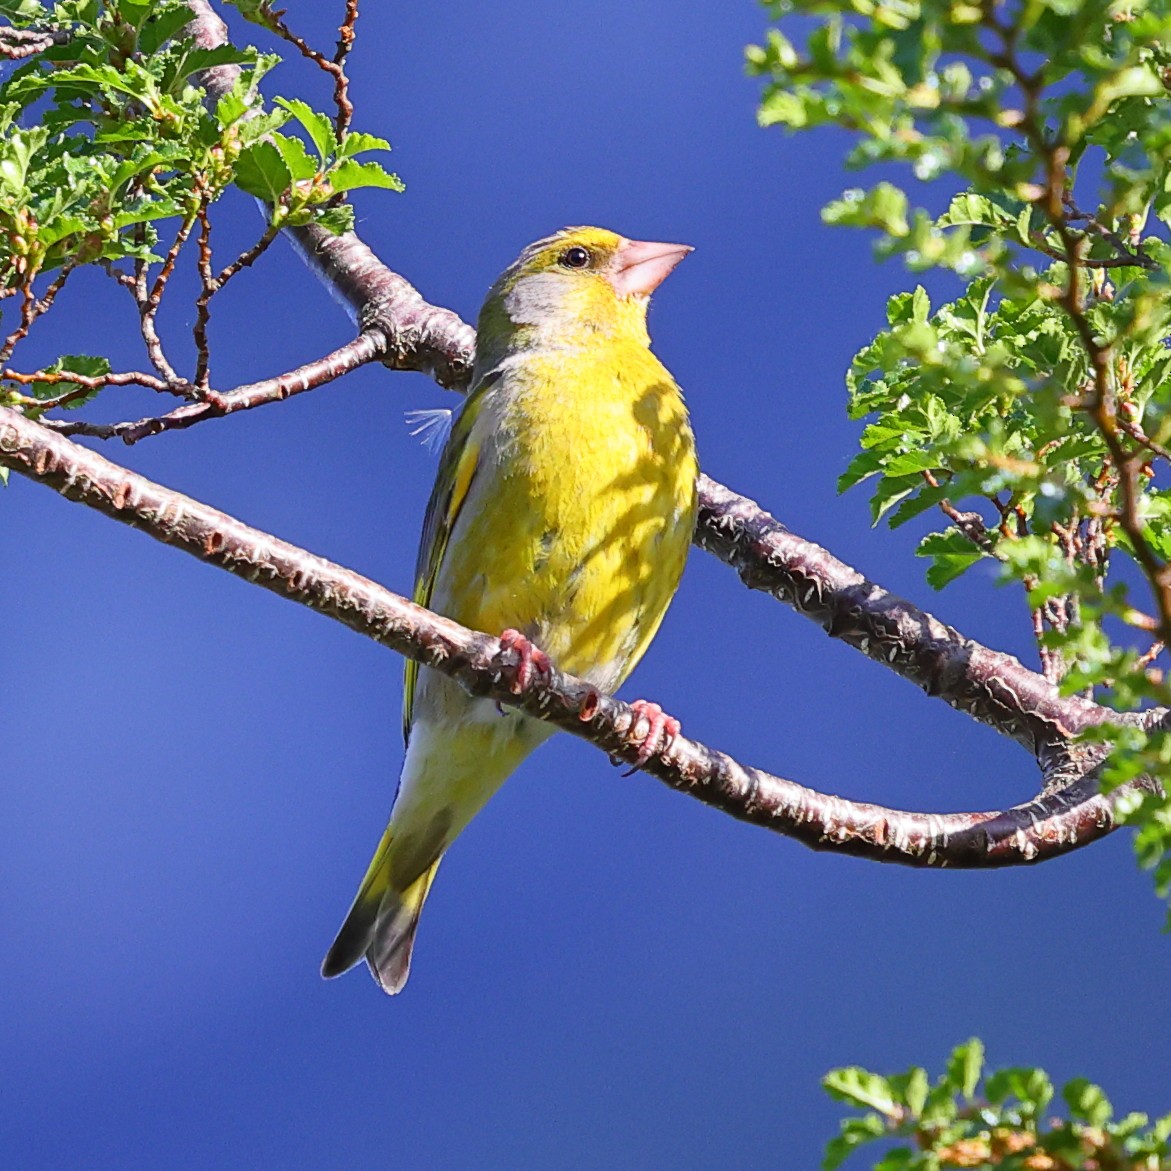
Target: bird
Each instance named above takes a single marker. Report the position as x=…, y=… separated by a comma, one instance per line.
x=561, y=516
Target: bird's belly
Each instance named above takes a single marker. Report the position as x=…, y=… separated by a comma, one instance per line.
x=586, y=572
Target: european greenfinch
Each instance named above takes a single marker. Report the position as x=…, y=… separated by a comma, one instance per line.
x=561, y=515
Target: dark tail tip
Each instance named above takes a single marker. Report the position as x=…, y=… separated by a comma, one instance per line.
x=350, y=945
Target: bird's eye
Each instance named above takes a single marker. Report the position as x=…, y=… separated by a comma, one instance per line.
x=576, y=257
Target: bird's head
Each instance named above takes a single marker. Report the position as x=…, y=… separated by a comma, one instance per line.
x=581, y=280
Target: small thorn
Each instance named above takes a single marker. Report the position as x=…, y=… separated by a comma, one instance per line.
x=589, y=706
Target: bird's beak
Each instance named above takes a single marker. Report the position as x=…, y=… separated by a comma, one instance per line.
x=640, y=266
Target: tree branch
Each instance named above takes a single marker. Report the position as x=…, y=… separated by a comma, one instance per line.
x=366, y=347
x=1040, y=829
x=404, y=331
x=18, y=43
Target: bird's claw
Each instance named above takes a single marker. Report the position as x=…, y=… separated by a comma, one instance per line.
x=531, y=661
x=661, y=730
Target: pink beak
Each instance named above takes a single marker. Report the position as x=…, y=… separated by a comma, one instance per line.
x=640, y=266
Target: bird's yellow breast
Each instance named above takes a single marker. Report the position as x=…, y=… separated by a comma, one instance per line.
x=577, y=523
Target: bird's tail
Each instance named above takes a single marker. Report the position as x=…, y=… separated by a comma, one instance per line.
x=381, y=924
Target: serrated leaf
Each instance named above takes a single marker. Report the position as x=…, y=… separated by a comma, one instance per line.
x=916, y=1089
x=295, y=156
x=22, y=12
x=916, y=505
x=889, y=492
x=254, y=11
x=167, y=21
x=349, y=175
x=899, y=1159
x=135, y=12
x=355, y=142
x=951, y=554
x=85, y=364
x=884, y=207
x=262, y=171
x=317, y=126
x=337, y=219
x=861, y=467
x=58, y=228
x=907, y=463
x=1031, y=1087
x=860, y=1087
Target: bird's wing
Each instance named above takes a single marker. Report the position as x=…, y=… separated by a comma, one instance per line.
x=457, y=470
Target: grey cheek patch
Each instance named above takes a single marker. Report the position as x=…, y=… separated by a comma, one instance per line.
x=533, y=299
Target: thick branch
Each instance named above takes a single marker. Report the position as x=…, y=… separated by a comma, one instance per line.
x=17, y=43
x=419, y=336
x=402, y=329
x=994, y=688
x=1027, y=833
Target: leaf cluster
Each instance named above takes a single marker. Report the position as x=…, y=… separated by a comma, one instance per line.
x=1030, y=415
x=108, y=134
x=973, y=1117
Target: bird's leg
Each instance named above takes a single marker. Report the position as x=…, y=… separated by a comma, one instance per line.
x=661, y=731
x=531, y=661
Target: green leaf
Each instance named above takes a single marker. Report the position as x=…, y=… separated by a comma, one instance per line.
x=356, y=142
x=965, y=1067
x=915, y=1090
x=862, y=466
x=317, y=126
x=337, y=219
x=262, y=171
x=22, y=12
x=1087, y=1102
x=951, y=554
x=84, y=364
x=1031, y=1087
x=859, y=1087
x=296, y=157
x=349, y=175
x=854, y=1133
x=889, y=492
x=166, y=21
x=883, y=206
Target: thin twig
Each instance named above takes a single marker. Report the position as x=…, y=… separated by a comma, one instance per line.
x=345, y=42
x=207, y=288
x=335, y=67
x=971, y=524
x=94, y=381
x=1057, y=205
x=28, y=314
x=367, y=347
x=148, y=300
x=248, y=257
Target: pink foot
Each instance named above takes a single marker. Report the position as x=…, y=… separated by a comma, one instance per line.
x=661, y=730
x=531, y=661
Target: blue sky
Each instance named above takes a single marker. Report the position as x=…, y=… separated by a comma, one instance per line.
x=194, y=773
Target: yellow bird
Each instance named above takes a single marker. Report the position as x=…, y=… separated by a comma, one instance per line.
x=561, y=515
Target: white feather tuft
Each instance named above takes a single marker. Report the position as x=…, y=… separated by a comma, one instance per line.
x=431, y=426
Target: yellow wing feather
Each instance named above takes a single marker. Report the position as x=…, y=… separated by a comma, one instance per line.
x=457, y=470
